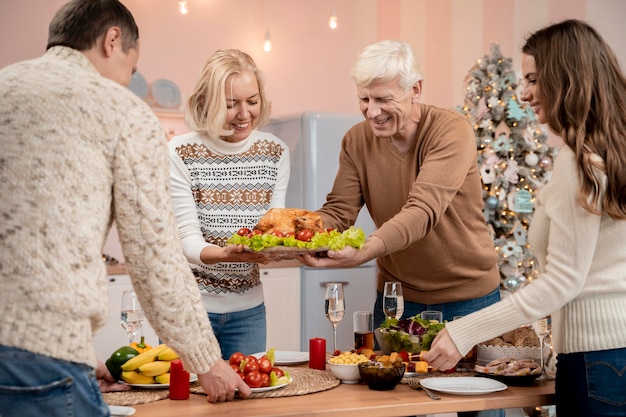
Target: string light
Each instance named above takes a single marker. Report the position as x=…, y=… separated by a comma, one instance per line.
x=267, y=45
x=332, y=21
x=182, y=6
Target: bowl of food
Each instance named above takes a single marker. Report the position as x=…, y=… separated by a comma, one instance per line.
x=345, y=367
x=411, y=335
x=381, y=376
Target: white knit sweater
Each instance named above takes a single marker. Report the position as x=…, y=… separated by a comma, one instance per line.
x=79, y=151
x=219, y=187
x=582, y=257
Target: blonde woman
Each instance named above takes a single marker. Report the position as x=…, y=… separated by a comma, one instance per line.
x=225, y=175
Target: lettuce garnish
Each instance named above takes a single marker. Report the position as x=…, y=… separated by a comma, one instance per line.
x=412, y=334
x=331, y=240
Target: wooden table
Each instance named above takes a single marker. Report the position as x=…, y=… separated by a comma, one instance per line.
x=354, y=400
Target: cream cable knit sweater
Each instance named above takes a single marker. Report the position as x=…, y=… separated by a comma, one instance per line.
x=79, y=151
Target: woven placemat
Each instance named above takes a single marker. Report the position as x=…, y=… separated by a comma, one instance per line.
x=135, y=396
x=305, y=381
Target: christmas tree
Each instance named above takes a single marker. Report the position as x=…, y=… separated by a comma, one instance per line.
x=513, y=158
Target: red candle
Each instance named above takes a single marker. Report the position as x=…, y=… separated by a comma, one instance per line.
x=317, y=353
x=179, y=381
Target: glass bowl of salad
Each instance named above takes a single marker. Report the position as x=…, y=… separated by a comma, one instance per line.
x=411, y=335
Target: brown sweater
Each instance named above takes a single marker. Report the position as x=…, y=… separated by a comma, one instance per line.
x=427, y=205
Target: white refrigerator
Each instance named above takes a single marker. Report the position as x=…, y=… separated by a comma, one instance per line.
x=314, y=140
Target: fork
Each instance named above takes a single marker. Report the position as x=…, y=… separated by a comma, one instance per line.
x=415, y=384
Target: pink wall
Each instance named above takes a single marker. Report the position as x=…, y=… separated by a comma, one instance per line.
x=308, y=67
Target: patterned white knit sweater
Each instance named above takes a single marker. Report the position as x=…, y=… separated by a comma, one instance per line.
x=219, y=187
x=79, y=151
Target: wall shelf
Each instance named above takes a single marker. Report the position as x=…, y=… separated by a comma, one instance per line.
x=169, y=113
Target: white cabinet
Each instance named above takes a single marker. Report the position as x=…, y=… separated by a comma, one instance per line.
x=112, y=336
x=281, y=289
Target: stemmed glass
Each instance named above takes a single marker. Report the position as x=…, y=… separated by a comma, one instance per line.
x=132, y=314
x=542, y=329
x=334, y=307
x=393, y=300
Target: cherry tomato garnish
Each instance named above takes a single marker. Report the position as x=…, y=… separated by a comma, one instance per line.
x=244, y=231
x=265, y=366
x=235, y=358
x=304, y=235
x=254, y=379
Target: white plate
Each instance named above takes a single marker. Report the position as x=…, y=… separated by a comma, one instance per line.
x=165, y=94
x=284, y=357
x=138, y=85
x=118, y=410
x=271, y=388
x=463, y=385
x=192, y=378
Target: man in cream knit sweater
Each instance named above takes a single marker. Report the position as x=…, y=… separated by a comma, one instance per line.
x=79, y=151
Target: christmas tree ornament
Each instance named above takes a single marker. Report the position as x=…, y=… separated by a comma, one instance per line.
x=492, y=202
x=545, y=163
x=531, y=159
x=511, y=283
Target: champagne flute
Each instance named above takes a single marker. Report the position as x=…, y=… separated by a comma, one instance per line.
x=542, y=329
x=132, y=314
x=393, y=300
x=334, y=307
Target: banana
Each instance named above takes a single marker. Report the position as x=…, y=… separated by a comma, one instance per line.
x=143, y=358
x=154, y=368
x=133, y=377
x=167, y=355
x=163, y=378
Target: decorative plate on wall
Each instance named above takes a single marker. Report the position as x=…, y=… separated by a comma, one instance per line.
x=165, y=94
x=138, y=85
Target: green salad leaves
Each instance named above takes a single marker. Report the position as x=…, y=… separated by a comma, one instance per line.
x=331, y=240
x=413, y=334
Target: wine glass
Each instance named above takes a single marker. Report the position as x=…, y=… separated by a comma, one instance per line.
x=334, y=307
x=393, y=300
x=542, y=329
x=132, y=314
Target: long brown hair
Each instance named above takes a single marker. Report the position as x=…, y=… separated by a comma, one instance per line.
x=583, y=93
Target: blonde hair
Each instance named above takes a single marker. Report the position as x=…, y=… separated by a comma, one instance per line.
x=207, y=107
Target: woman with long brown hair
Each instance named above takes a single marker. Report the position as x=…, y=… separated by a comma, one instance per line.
x=574, y=84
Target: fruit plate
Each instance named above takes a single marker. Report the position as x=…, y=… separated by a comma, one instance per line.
x=520, y=381
x=263, y=389
x=283, y=357
x=192, y=378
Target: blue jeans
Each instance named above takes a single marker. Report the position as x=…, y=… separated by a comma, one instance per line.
x=449, y=310
x=36, y=385
x=242, y=331
x=591, y=384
